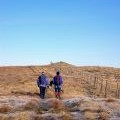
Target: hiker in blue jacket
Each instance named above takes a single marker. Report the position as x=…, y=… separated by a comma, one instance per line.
x=42, y=83
x=58, y=81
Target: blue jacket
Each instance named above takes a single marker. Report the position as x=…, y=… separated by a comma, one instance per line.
x=42, y=81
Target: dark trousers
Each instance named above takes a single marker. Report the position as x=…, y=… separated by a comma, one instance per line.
x=42, y=92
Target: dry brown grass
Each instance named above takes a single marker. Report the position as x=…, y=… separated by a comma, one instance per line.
x=5, y=109
x=110, y=100
x=58, y=106
x=3, y=117
x=91, y=109
x=37, y=117
x=23, y=116
x=19, y=81
x=32, y=105
x=6, y=117
x=23, y=79
x=104, y=116
x=67, y=116
x=90, y=115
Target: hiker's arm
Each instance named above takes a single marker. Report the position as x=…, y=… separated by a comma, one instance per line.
x=47, y=82
x=38, y=82
x=61, y=80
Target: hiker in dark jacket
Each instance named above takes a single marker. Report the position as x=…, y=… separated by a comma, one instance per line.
x=42, y=83
x=58, y=81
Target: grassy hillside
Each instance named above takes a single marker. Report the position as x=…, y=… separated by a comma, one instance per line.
x=95, y=81
x=90, y=93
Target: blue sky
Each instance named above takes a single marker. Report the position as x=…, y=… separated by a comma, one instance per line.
x=81, y=32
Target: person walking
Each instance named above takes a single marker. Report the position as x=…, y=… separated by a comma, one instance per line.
x=58, y=82
x=42, y=83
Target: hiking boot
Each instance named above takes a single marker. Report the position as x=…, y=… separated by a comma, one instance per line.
x=56, y=94
x=42, y=97
x=59, y=97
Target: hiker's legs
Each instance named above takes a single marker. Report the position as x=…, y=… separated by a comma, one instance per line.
x=56, y=91
x=44, y=88
x=59, y=92
x=42, y=92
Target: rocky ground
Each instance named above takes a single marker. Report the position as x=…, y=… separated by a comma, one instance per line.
x=79, y=108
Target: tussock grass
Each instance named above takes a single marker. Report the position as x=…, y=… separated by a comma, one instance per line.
x=36, y=117
x=91, y=116
x=67, y=116
x=110, y=100
x=90, y=109
x=58, y=106
x=23, y=116
x=32, y=105
x=5, y=109
x=104, y=116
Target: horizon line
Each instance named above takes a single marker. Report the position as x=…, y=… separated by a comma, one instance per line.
x=45, y=64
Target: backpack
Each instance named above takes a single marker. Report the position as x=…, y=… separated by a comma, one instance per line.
x=57, y=80
x=42, y=80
